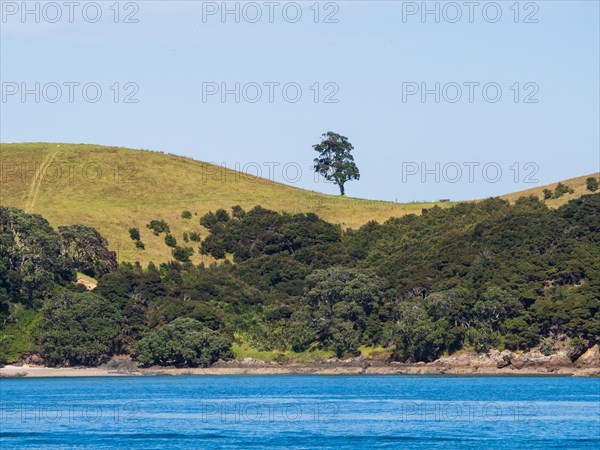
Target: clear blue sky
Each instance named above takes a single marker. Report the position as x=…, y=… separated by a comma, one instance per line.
x=367, y=55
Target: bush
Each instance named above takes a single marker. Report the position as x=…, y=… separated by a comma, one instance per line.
x=186, y=236
x=562, y=189
x=183, y=342
x=237, y=212
x=210, y=220
x=134, y=234
x=140, y=245
x=158, y=226
x=591, y=184
x=183, y=253
x=186, y=215
x=78, y=329
x=170, y=240
x=194, y=236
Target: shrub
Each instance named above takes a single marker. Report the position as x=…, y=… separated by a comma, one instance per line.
x=186, y=215
x=211, y=220
x=194, y=236
x=562, y=189
x=183, y=342
x=134, y=234
x=222, y=215
x=237, y=212
x=183, y=253
x=170, y=240
x=186, y=236
x=591, y=184
x=159, y=226
x=140, y=245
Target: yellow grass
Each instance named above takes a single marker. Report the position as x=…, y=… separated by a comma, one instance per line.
x=114, y=189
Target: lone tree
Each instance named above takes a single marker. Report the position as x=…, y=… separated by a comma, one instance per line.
x=335, y=161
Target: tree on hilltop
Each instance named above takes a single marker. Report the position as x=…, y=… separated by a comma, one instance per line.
x=335, y=161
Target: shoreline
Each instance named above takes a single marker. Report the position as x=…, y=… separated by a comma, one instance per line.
x=11, y=372
x=504, y=363
x=27, y=371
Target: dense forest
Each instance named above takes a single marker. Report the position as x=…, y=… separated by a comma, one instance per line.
x=474, y=276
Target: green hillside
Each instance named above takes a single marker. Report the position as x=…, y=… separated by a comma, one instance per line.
x=114, y=189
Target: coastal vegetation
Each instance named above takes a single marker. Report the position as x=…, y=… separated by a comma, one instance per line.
x=476, y=276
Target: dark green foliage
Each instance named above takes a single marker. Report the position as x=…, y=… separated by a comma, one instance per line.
x=264, y=232
x=183, y=342
x=221, y=215
x=32, y=258
x=194, y=236
x=134, y=234
x=591, y=184
x=477, y=276
x=140, y=245
x=182, y=253
x=237, y=212
x=170, y=240
x=87, y=250
x=339, y=302
x=186, y=236
x=561, y=189
x=335, y=161
x=158, y=227
x=548, y=194
x=186, y=215
x=78, y=329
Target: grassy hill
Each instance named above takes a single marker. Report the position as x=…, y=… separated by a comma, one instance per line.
x=114, y=189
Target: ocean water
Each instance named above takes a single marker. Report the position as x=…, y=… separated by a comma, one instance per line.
x=295, y=412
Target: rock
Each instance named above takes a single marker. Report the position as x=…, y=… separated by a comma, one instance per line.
x=518, y=363
x=575, y=352
x=591, y=358
x=502, y=363
x=251, y=362
x=35, y=360
x=121, y=364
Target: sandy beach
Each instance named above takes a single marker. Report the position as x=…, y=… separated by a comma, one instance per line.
x=465, y=363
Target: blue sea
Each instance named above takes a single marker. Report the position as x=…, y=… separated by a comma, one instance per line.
x=298, y=412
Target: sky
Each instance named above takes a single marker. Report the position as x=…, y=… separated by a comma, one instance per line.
x=452, y=100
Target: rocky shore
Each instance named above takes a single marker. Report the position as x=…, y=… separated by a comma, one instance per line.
x=464, y=363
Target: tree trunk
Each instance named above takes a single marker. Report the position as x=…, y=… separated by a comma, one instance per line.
x=342, y=191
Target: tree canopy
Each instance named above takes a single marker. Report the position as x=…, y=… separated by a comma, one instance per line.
x=335, y=162
x=473, y=276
